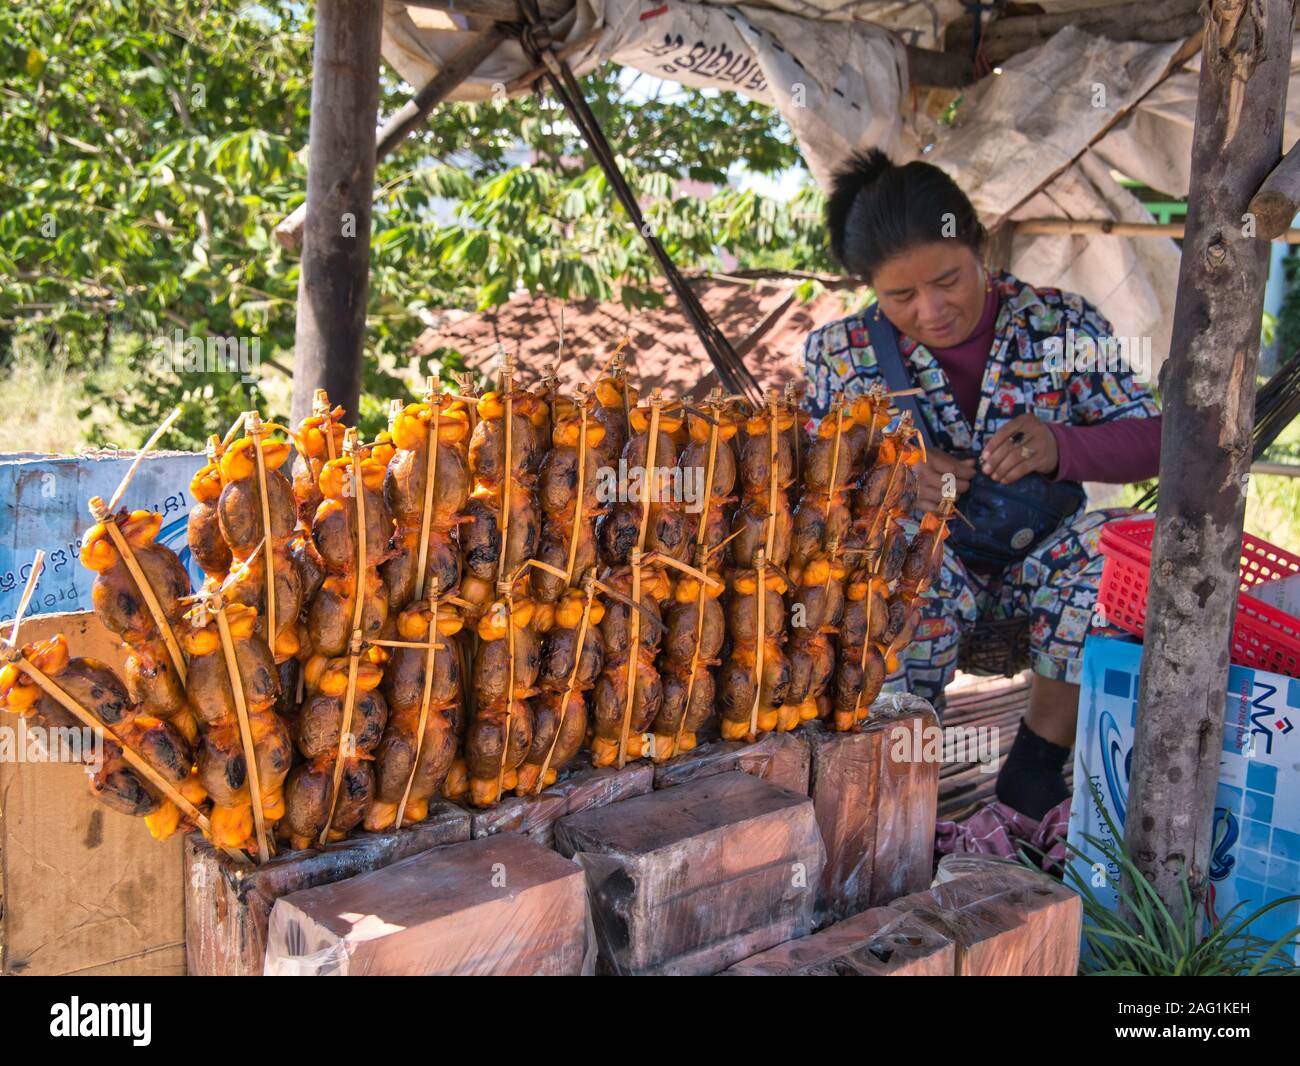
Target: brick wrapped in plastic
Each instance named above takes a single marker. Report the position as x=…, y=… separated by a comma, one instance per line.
x=228, y=908
x=497, y=906
x=582, y=788
x=689, y=880
x=1004, y=918
x=781, y=759
x=875, y=793
x=881, y=942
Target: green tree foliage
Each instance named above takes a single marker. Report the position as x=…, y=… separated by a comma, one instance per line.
x=148, y=150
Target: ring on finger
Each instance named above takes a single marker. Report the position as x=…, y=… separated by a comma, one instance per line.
x=1026, y=452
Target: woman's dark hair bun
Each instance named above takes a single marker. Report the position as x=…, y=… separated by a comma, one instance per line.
x=878, y=209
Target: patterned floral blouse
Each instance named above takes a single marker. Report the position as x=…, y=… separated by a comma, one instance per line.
x=1019, y=378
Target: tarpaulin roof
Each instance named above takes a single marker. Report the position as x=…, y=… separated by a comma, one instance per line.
x=1038, y=139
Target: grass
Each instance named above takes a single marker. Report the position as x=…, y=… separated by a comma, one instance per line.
x=48, y=392
x=44, y=399
x=1273, y=501
x=1150, y=941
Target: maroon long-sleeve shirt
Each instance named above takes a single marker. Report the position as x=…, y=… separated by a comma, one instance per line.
x=1116, y=452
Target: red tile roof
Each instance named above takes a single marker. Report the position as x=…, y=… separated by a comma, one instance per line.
x=763, y=319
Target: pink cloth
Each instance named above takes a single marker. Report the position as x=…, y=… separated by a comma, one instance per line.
x=964, y=363
x=996, y=829
x=1127, y=449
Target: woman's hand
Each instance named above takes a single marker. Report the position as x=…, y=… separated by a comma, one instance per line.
x=932, y=474
x=1023, y=446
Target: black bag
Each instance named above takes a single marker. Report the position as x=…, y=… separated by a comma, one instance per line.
x=1009, y=521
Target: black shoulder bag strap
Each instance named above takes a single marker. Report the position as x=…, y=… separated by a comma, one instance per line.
x=884, y=343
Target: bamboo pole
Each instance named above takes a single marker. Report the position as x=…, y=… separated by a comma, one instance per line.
x=245, y=732
x=1057, y=227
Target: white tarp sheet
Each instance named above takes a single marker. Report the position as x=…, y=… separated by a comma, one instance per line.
x=1016, y=129
x=1153, y=144
x=841, y=85
x=1019, y=128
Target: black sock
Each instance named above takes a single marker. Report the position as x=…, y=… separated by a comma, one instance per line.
x=1032, y=781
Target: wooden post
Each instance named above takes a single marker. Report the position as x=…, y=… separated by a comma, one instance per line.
x=333, y=280
x=412, y=114
x=1208, y=386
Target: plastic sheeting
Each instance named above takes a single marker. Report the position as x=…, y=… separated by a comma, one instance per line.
x=1006, y=919
x=875, y=793
x=497, y=906
x=880, y=942
x=1153, y=143
x=1031, y=121
x=228, y=908
x=782, y=759
x=839, y=85
x=691, y=879
x=580, y=790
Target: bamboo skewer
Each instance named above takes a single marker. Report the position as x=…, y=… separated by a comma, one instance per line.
x=588, y=598
x=583, y=409
x=510, y=688
x=321, y=409
x=873, y=563
x=760, y=606
x=139, y=457
x=100, y=512
x=793, y=405
x=430, y=481
x=833, y=544
x=233, y=431
x=103, y=513
x=507, y=388
x=256, y=431
x=634, y=637
x=634, y=642
x=29, y=589
x=761, y=557
x=353, y=450
x=430, y=654
x=52, y=689
x=701, y=561
x=245, y=730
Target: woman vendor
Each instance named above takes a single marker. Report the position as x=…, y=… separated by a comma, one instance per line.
x=986, y=349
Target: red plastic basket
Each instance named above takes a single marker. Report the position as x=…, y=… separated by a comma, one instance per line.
x=1262, y=636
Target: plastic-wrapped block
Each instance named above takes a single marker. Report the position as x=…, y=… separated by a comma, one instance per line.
x=1005, y=919
x=502, y=905
x=581, y=790
x=881, y=942
x=227, y=906
x=876, y=794
x=691, y=879
x=779, y=758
